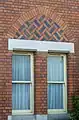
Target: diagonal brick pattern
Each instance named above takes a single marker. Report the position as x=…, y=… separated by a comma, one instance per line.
x=40, y=28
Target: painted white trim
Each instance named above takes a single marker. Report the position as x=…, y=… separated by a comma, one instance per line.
x=43, y=46
x=56, y=82
x=58, y=111
x=21, y=112
x=9, y=117
x=17, y=82
x=32, y=85
x=65, y=85
x=31, y=111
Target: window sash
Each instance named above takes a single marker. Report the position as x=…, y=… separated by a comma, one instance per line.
x=64, y=83
x=55, y=96
x=31, y=83
x=23, y=68
x=58, y=66
x=21, y=96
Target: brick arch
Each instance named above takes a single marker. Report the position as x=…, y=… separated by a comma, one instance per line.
x=39, y=24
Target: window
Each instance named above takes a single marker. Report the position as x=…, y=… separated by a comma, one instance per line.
x=57, y=83
x=22, y=83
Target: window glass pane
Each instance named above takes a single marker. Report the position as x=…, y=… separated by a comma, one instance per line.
x=55, y=96
x=20, y=96
x=21, y=68
x=55, y=68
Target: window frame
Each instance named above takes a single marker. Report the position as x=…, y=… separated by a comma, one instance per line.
x=31, y=111
x=59, y=111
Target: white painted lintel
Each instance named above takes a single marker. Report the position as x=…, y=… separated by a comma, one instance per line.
x=42, y=46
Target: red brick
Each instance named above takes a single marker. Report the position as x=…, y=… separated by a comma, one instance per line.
x=15, y=12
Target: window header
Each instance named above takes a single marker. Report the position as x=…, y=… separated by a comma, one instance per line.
x=42, y=46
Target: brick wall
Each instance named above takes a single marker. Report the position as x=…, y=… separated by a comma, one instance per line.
x=40, y=83
x=13, y=14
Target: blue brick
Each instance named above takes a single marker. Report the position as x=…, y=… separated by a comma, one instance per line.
x=42, y=29
x=57, y=36
x=41, y=18
x=47, y=24
x=57, y=25
x=52, y=29
x=36, y=22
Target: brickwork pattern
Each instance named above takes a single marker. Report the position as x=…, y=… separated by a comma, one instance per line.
x=39, y=23
x=13, y=14
x=40, y=29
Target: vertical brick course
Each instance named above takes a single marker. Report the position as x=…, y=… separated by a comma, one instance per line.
x=40, y=83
